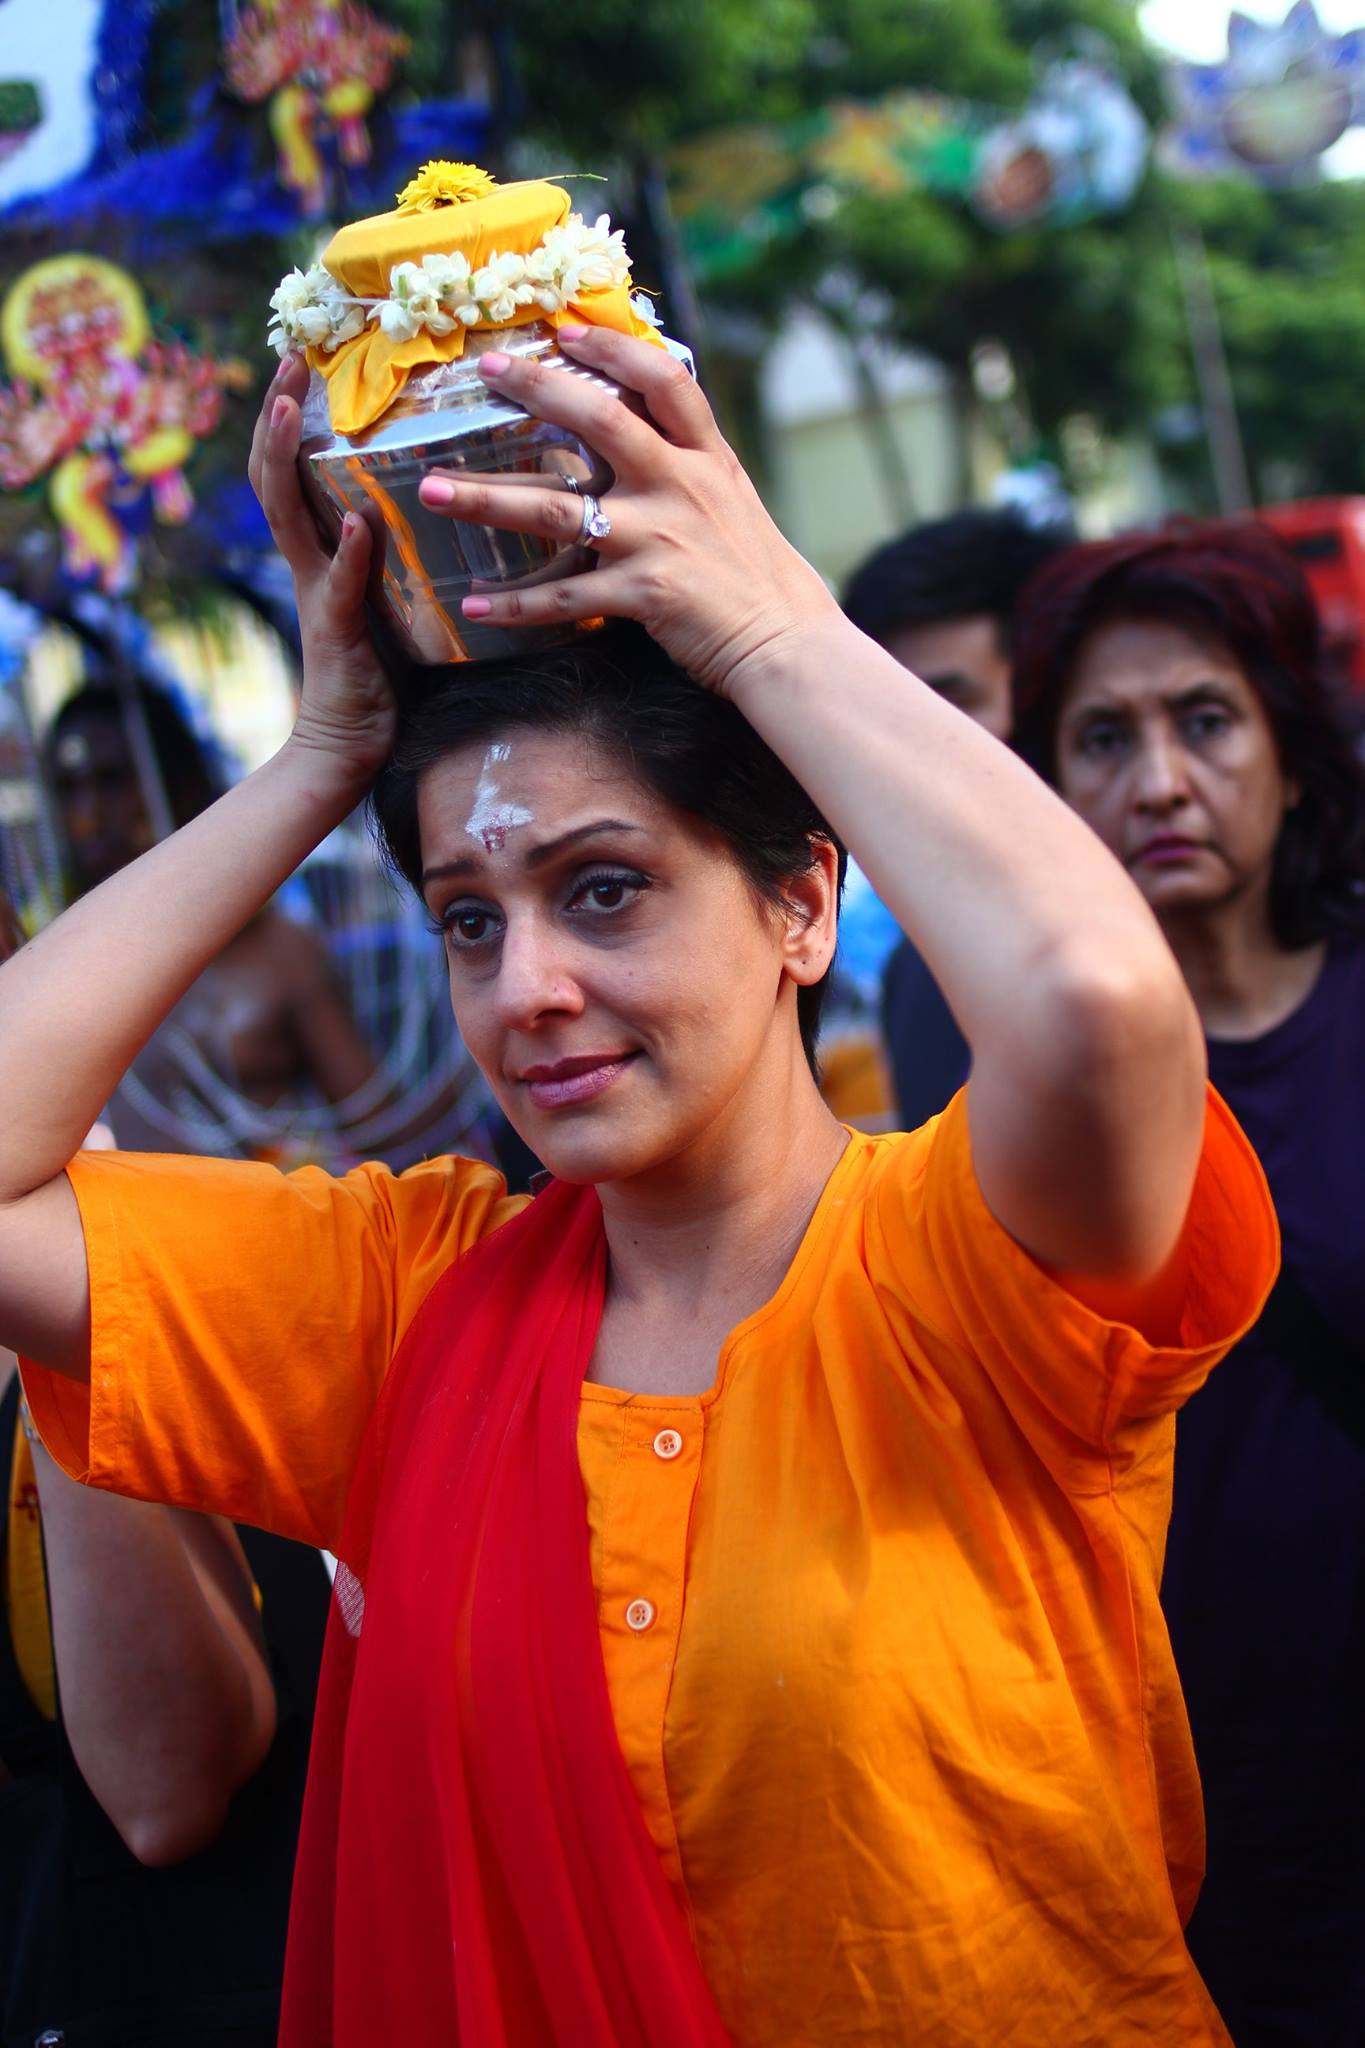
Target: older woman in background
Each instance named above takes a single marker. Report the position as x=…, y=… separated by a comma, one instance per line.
x=1172, y=690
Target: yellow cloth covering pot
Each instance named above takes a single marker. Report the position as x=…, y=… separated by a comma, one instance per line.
x=364, y=375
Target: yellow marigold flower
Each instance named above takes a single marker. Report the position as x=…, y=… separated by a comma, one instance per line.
x=441, y=183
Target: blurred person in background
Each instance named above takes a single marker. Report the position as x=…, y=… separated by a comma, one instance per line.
x=267, y=1018
x=941, y=598
x=155, y=1698
x=1171, y=687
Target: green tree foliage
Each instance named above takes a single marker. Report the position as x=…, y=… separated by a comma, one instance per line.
x=1092, y=315
x=1071, y=304
x=610, y=78
x=1288, y=275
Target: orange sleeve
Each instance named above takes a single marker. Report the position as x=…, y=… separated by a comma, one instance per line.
x=242, y=1321
x=1056, y=1362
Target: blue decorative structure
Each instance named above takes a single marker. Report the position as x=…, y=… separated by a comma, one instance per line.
x=214, y=187
x=1282, y=96
x=71, y=94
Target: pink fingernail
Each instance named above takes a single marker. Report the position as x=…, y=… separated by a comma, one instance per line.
x=569, y=330
x=493, y=364
x=436, y=491
x=278, y=411
x=476, y=607
x=348, y=526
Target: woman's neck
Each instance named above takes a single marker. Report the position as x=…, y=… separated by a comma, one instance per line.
x=1243, y=981
x=711, y=1236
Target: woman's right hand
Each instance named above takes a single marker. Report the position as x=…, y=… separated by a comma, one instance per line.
x=347, y=707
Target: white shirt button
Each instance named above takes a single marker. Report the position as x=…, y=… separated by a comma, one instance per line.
x=639, y=1614
x=667, y=1444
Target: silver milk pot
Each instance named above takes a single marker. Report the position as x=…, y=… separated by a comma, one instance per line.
x=447, y=418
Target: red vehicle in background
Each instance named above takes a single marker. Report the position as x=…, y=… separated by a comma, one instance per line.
x=1328, y=537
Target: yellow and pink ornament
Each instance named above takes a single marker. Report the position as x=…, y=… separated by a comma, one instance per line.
x=109, y=414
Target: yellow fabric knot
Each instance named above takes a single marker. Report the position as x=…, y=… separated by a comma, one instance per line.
x=442, y=183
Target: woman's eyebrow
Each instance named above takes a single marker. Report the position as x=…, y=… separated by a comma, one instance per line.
x=548, y=848
x=1093, y=707
x=1195, y=693
x=470, y=864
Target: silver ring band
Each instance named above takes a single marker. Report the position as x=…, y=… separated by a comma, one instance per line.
x=596, y=524
x=571, y=484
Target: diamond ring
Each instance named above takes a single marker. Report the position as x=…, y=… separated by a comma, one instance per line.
x=596, y=525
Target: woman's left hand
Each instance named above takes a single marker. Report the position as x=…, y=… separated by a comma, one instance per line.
x=692, y=553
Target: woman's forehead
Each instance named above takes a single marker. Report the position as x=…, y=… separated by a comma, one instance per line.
x=510, y=791
x=1147, y=657
x=562, y=768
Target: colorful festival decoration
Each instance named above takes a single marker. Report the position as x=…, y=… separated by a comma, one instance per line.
x=1079, y=148
x=319, y=65
x=106, y=412
x=299, y=116
x=1283, y=95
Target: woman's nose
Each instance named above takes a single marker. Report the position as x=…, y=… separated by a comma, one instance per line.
x=1162, y=781
x=533, y=975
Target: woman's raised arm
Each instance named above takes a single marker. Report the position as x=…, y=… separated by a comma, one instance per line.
x=1087, y=1092
x=79, y=1001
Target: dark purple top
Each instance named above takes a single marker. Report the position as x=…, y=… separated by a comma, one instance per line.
x=1265, y=1574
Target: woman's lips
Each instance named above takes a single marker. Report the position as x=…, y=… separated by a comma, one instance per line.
x=1167, y=852
x=572, y=1081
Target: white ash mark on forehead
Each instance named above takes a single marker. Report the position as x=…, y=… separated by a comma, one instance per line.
x=492, y=819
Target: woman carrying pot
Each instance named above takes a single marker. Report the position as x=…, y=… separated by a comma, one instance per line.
x=746, y=1625
x=1173, y=691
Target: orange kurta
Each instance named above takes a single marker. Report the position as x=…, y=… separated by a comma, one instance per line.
x=879, y=1610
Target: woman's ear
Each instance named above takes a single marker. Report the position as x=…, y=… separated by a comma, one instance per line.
x=812, y=921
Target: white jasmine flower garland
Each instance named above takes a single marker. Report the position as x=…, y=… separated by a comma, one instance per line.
x=313, y=310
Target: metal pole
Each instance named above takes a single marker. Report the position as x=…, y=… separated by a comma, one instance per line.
x=32, y=873
x=681, y=304
x=1231, y=482
x=138, y=735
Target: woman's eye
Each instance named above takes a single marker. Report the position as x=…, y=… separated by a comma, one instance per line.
x=1206, y=724
x=606, y=893
x=1099, y=741
x=465, y=928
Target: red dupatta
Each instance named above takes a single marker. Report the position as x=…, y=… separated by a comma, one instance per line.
x=474, y=1866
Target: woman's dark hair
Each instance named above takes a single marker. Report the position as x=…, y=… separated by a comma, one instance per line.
x=1232, y=584
x=191, y=778
x=619, y=691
